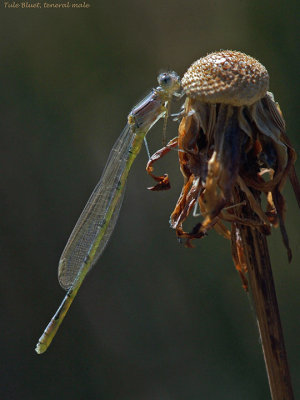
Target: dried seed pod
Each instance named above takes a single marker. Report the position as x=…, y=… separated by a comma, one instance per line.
x=231, y=139
x=232, y=151
x=227, y=77
x=233, y=134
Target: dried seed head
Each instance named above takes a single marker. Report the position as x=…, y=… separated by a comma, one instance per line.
x=227, y=77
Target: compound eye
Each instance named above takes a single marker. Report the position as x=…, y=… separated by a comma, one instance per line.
x=164, y=80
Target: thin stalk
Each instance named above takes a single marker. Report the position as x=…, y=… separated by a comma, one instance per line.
x=263, y=293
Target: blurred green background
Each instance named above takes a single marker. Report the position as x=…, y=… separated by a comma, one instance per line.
x=154, y=320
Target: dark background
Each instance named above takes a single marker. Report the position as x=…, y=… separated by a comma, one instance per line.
x=154, y=320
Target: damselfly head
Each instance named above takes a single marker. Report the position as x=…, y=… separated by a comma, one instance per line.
x=169, y=82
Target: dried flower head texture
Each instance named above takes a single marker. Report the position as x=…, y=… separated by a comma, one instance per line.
x=227, y=77
x=231, y=139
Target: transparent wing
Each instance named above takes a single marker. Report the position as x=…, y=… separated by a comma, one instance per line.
x=100, y=214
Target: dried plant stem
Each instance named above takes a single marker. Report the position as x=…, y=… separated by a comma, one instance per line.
x=266, y=307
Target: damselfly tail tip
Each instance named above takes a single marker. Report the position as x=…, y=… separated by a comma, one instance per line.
x=40, y=348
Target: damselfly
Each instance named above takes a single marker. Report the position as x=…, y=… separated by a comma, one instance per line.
x=98, y=219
